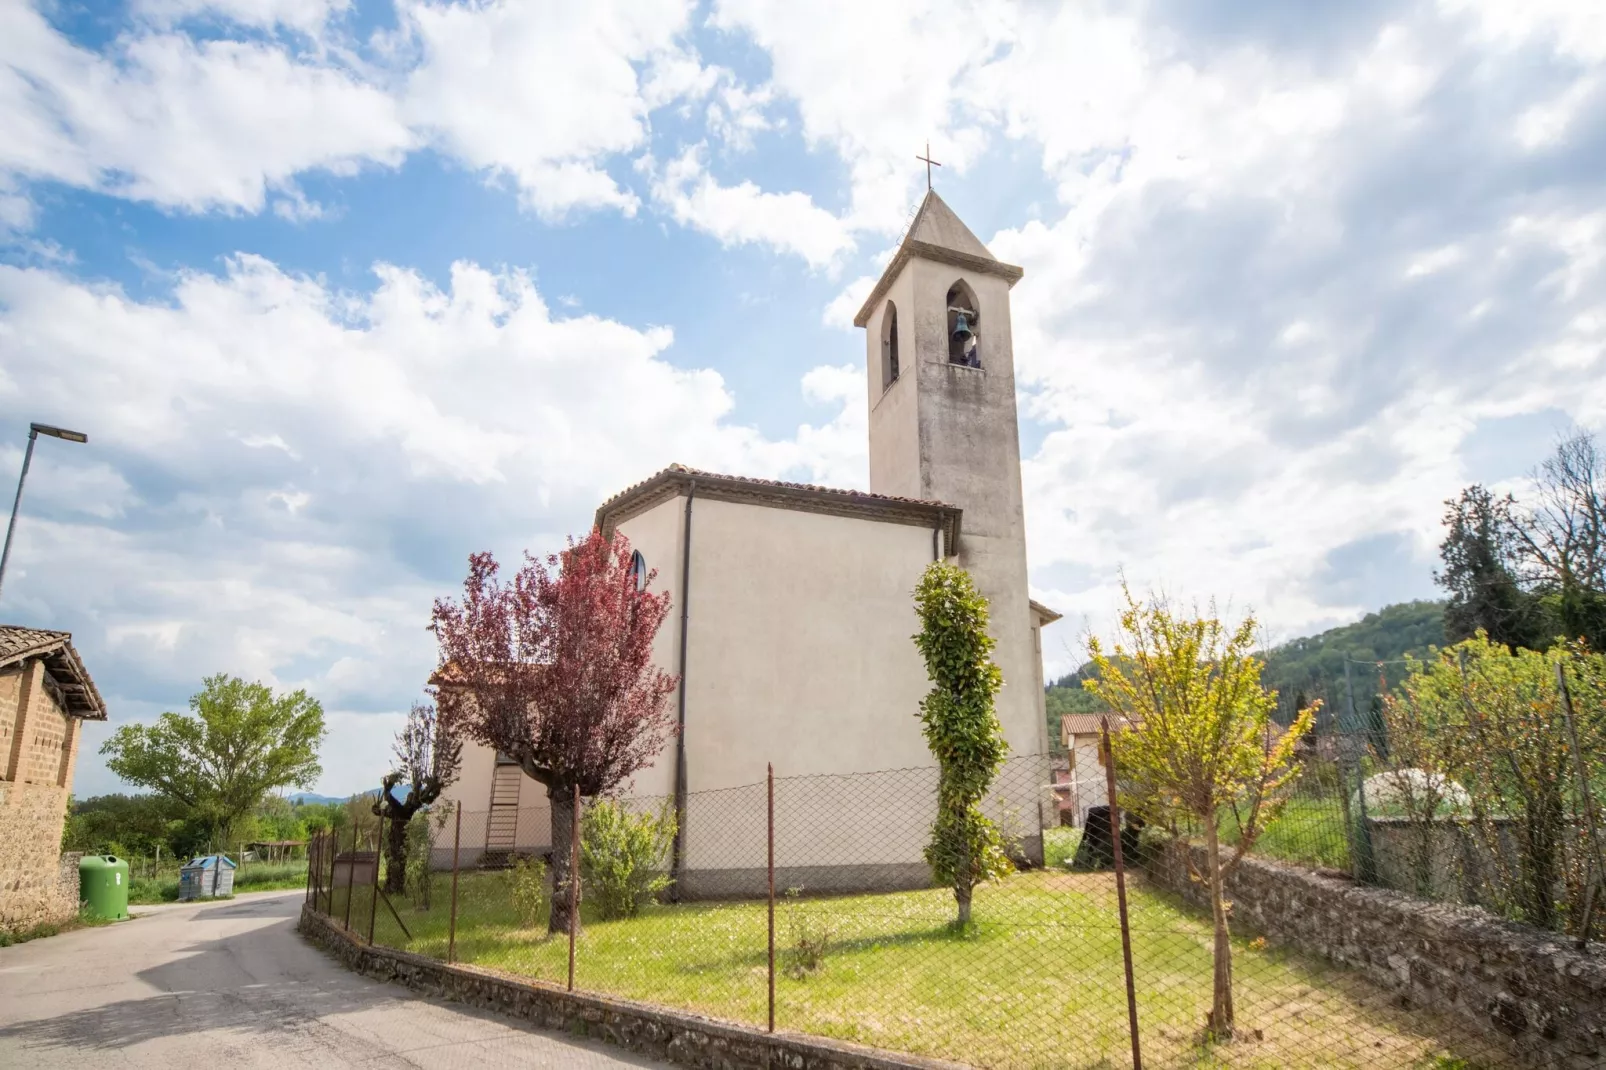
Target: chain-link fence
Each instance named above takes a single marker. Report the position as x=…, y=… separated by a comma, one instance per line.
x=805, y=904
x=1476, y=781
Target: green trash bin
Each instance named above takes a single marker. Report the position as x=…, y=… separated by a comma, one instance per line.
x=103, y=886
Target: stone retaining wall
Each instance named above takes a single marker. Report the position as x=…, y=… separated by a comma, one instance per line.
x=673, y=1036
x=1523, y=990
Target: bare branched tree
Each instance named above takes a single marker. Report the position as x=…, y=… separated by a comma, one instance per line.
x=428, y=757
x=1562, y=537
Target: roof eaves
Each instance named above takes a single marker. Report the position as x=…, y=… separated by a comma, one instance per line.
x=942, y=255
x=671, y=481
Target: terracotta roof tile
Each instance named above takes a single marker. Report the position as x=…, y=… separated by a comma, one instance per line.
x=19, y=644
x=807, y=496
x=699, y=473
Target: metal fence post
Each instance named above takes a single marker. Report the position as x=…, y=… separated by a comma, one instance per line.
x=332, y=844
x=457, y=850
x=1365, y=867
x=373, y=902
x=1596, y=870
x=770, y=784
x=351, y=876
x=308, y=897
x=1120, y=892
x=574, y=881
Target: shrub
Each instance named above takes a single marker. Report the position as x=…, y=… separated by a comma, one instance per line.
x=528, y=890
x=622, y=857
x=811, y=932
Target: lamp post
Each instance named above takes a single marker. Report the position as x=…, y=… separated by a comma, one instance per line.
x=34, y=431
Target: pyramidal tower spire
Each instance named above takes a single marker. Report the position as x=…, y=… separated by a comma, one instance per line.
x=943, y=426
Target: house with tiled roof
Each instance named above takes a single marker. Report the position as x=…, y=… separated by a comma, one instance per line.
x=792, y=605
x=45, y=696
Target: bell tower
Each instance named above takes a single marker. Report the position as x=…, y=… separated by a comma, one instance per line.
x=941, y=377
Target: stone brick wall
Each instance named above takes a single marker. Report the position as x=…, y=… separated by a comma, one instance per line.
x=1523, y=990
x=38, y=749
x=673, y=1036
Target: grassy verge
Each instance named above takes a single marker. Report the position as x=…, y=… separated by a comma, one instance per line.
x=1059, y=846
x=84, y=920
x=1036, y=981
x=1309, y=831
x=253, y=877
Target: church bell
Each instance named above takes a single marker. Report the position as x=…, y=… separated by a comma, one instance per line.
x=962, y=330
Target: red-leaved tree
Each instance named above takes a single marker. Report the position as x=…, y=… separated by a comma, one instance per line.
x=554, y=670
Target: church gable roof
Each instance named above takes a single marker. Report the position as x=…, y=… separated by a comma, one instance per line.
x=937, y=234
x=778, y=494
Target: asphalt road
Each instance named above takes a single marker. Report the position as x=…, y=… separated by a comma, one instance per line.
x=231, y=986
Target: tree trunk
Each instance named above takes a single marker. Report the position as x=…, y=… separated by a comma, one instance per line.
x=1221, y=1017
x=563, y=832
x=964, y=884
x=396, y=852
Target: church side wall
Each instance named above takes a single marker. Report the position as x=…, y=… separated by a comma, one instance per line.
x=657, y=533
x=801, y=655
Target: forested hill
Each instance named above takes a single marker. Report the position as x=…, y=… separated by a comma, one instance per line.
x=1311, y=665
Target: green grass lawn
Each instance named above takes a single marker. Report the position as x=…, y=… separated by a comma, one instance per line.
x=1310, y=831
x=1036, y=982
x=252, y=877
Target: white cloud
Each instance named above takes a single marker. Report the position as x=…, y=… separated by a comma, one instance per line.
x=180, y=123
x=541, y=93
x=744, y=214
x=306, y=16
x=281, y=476
x=872, y=81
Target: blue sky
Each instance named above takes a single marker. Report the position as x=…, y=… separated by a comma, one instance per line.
x=344, y=291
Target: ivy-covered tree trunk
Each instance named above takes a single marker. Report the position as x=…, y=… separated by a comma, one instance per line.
x=396, y=849
x=962, y=730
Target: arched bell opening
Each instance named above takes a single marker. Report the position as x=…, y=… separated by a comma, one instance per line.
x=964, y=338
x=889, y=345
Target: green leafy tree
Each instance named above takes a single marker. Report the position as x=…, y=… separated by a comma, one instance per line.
x=622, y=857
x=238, y=742
x=141, y=825
x=1197, y=742
x=1506, y=743
x=961, y=728
x=1482, y=555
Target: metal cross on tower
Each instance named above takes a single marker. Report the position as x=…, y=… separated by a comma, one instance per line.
x=930, y=163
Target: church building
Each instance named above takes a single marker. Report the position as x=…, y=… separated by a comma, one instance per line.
x=792, y=605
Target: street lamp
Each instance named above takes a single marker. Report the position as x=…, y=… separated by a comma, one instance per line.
x=34, y=431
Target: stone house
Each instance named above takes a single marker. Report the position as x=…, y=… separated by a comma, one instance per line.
x=45, y=693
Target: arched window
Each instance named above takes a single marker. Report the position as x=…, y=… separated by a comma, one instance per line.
x=889, y=346
x=964, y=332
x=638, y=570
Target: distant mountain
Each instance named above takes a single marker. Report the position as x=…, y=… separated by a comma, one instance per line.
x=1310, y=667
x=307, y=798
x=1314, y=665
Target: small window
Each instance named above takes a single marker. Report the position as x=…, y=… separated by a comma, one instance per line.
x=964, y=332
x=638, y=570
x=889, y=346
